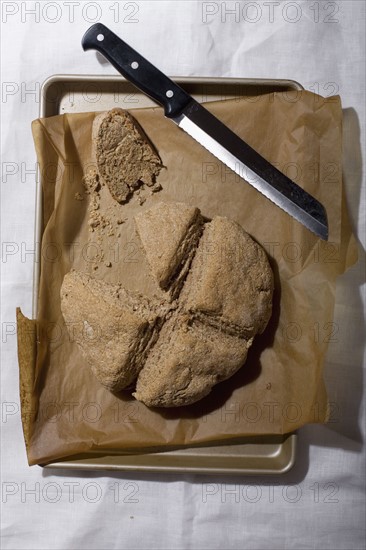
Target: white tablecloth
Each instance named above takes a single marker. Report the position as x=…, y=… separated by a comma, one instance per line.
x=320, y=502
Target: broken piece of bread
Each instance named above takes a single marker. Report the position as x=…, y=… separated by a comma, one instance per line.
x=177, y=349
x=125, y=157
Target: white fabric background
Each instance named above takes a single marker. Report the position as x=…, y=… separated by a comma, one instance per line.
x=320, y=503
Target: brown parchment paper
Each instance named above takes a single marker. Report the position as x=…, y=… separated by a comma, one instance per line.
x=280, y=388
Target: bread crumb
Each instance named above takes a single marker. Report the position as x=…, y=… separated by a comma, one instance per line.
x=155, y=188
x=94, y=223
x=108, y=264
x=91, y=181
x=78, y=197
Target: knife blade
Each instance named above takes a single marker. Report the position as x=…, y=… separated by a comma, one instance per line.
x=209, y=131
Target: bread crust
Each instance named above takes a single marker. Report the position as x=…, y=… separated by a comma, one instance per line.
x=169, y=255
x=230, y=283
x=188, y=359
x=114, y=328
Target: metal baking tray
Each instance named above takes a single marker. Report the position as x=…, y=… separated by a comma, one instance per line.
x=244, y=456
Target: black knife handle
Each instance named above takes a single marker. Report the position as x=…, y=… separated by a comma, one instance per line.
x=136, y=69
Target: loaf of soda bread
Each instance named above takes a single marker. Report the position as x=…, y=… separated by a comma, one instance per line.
x=218, y=285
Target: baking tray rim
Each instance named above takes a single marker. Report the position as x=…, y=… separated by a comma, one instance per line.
x=78, y=464
x=150, y=462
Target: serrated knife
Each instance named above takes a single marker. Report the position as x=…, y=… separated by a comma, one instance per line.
x=205, y=128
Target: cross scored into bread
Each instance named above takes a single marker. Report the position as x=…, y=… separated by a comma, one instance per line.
x=218, y=285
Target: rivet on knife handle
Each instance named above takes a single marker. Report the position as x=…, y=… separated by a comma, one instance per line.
x=210, y=132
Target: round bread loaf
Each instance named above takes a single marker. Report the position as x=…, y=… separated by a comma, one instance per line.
x=218, y=286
